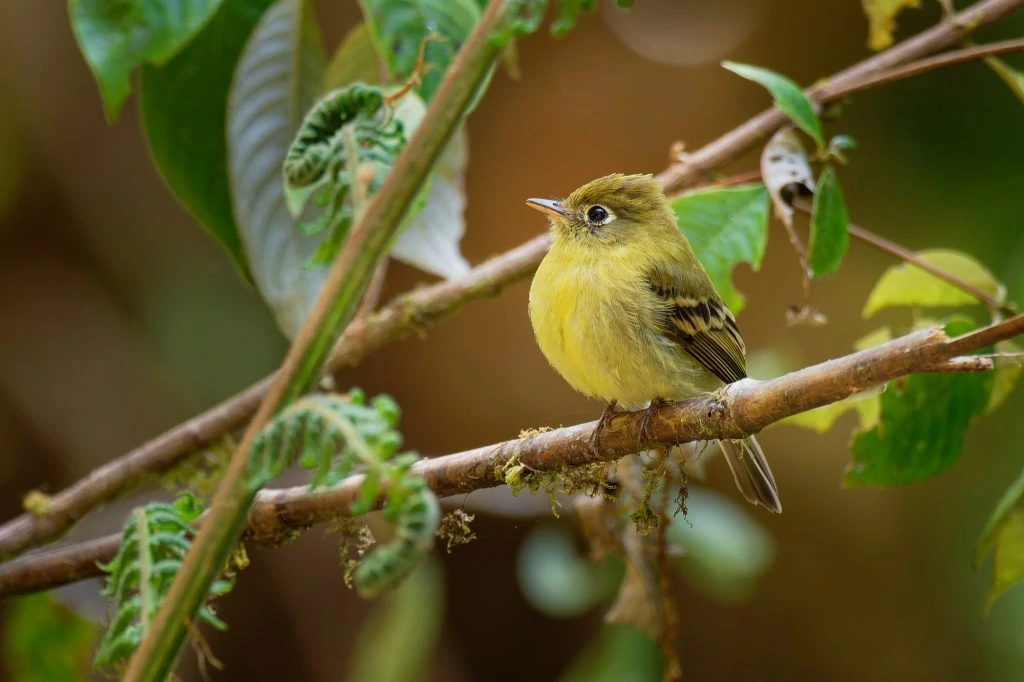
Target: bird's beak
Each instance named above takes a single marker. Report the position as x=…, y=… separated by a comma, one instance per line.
x=552, y=207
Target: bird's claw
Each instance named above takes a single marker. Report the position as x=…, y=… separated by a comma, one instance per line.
x=645, y=434
x=602, y=424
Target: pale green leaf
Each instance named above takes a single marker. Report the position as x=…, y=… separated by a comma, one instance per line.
x=430, y=240
x=789, y=98
x=184, y=114
x=276, y=81
x=118, y=36
x=829, y=221
x=619, y=653
x=398, y=27
x=882, y=20
x=555, y=579
x=908, y=285
x=725, y=549
x=822, y=419
x=45, y=641
x=355, y=60
x=726, y=227
x=1004, y=535
x=921, y=425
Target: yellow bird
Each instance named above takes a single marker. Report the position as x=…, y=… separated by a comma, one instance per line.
x=625, y=312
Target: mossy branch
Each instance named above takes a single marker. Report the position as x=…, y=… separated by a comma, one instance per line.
x=736, y=411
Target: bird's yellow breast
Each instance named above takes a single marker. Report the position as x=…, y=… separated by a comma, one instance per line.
x=597, y=322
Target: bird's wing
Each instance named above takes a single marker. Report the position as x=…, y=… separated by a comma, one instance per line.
x=701, y=325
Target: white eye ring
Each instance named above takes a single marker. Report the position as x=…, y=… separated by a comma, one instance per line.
x=598, y=215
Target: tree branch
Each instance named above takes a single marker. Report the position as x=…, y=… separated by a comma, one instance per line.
x=431, y=304
x=736, y=411
x=905, y=254
x=691, y=168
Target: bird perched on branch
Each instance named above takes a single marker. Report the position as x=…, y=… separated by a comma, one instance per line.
x=625, y=312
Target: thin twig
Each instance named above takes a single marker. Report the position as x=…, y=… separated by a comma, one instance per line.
x=163, y=452
x=728, y=147
x=736, y=411
x=892, y=248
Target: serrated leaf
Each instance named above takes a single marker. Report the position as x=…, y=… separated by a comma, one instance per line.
x=881, y=16
x=1007, y=373
x=829, y=221
x=789, y=98
x=355, y=60
x=184, y=114
x=1004, y=535
x=398, y=27
x=45, y=641
x=908, y=285
x=278, y=75
x=726, y=227
x=1013, y=78
x=430, y=241
x=921, y=425
x=118, y=36
x=786, y=172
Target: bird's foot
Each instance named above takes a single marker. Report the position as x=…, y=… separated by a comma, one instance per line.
x=602, y=424
x=644, y=433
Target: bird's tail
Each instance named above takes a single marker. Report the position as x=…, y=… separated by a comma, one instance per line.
x=750, y=469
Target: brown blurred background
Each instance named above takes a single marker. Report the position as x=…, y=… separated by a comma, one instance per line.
x=119, y=317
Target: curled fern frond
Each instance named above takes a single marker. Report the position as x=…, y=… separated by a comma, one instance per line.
x=335, y=435
x=154, y=542
x=341, y=154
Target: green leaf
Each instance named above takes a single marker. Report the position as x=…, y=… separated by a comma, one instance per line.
x=355, y=60
x=921, y=425
x=276, y=81
x=909, y=285
x=555, y=579
x=822, y=419
x=725, y=551
x=45, y=641
x=184, y=114
x=399, y=26
x=1004, y=535
x=619, y=653
x=789, y=98
x=1013, y=78
x=726, y=227
x=400, y=637
x=118, y=36
x=829, y=237
x=881, y=16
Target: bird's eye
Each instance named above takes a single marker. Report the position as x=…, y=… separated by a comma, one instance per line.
x=598, y=215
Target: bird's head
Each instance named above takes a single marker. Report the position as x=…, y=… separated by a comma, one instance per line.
x=613, y=209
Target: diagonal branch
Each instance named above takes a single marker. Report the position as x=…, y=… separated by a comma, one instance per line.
x=691, y=168
x=736, y=411
x=409, y=313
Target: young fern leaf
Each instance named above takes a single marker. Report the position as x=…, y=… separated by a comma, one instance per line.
x=153, y=545
x=341, y=154
x=333, y=435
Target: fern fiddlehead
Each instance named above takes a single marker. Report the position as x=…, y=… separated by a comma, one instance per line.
x=333, y=435
x=154, y=542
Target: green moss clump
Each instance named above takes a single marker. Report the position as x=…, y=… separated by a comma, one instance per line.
x=455, y=530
